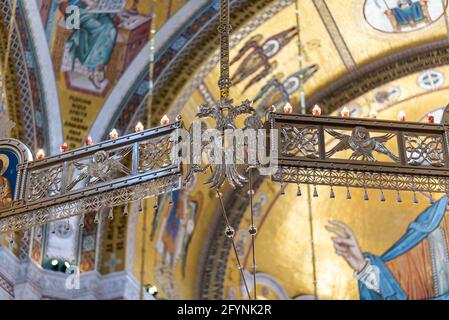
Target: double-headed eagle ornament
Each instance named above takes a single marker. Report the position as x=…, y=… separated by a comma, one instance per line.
x=224, y=114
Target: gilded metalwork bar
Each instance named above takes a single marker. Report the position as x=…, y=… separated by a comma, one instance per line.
x=364, y=153
x=93, y=177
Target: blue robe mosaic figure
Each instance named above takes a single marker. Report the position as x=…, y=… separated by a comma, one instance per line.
x=409, y=13
x=92, y=44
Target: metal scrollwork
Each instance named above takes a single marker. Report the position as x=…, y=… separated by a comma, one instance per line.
x=155, y=154
x=424, y=150
x=108, y=174
x=44, y=183
x=303, y=142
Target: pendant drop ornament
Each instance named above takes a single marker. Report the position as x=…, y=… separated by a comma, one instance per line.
x=315, y=192
x=97, y=217
x=382, y=196
x=298, y=192
x=282, y=191
x=81, y=223
x=332, y=194
x=365, y=196
x=415, y=198
x=398, y=197
x=348, y=194
x=111, y=214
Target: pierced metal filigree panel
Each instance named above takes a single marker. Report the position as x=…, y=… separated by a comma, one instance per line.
x=300, y=142
x=105, y=175
x=155, y=154
x=424, y=150
x=360, y=179
x=376, y=154
x=44, y=183
x=110, y=196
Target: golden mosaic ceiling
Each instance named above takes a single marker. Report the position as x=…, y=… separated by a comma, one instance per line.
x=339, y=43
x=353, y=54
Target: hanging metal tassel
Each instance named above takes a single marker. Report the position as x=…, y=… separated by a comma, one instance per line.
x=332, y=194
x=67, y=225
x=382, y=196
x=97, y=217
x=111, y=213
x=53, y=228
x=81, y=223
x=431, y=199
x=125, y=210
x=282, y=191
x=170, y=203
x=25, y=235
x=415, y=198
x=156, y=203
x=141, y=205
x=315, y=192
x=365, y=196
x=348, y=194
x=398, y=197
x=11, y=238
x=299, y=193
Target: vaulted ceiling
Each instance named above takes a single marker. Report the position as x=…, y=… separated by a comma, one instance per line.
x=354, y=54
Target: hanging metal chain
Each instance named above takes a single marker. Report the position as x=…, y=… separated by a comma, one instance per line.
x=230, y=233
x=224, y=29
x=252, y=230
x=302, y=98
x=152, y=36
x=148, y=125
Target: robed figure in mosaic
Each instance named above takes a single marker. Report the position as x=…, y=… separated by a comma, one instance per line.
x=5, y=187
x=415, y=268
x=92, y=44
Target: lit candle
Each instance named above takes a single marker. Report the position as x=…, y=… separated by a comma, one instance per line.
x=401, y=116
x=165, y=120
x=345, y=112
x=139, y=127
x=89, y=141
x=113, y=134
x=288, y=108
x=64, y=147
x=316, y=111
x=373, y=114
x=430, y=118
x=40, y=154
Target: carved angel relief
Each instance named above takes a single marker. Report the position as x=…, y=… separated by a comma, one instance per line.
x=361, y=143
x=102, y=167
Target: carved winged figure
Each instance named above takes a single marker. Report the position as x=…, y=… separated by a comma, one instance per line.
x=361, y=143
x=103, y=167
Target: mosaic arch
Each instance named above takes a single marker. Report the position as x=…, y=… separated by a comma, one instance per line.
x=37, y=112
